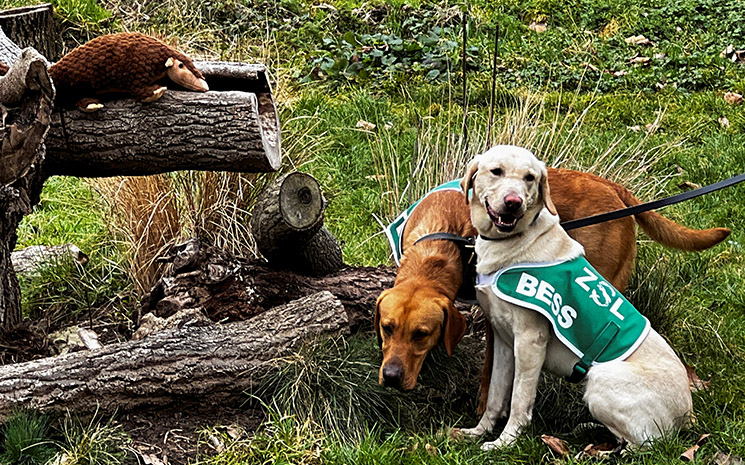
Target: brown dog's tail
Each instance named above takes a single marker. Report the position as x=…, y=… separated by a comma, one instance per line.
x=670, y=233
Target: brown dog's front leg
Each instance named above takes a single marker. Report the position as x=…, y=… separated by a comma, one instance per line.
x=486, y=371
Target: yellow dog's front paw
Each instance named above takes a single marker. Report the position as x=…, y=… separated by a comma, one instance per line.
x=466, y=433
x=502, y=441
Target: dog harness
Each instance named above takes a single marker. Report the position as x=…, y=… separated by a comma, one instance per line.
x=587, y=314
x=395, y=231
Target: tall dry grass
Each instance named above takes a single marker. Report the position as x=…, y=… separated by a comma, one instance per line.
x=143, y=213
x=557, y=136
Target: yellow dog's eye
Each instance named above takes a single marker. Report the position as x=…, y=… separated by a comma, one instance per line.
x=388, y=330
x=529, y=177
x=497, y=172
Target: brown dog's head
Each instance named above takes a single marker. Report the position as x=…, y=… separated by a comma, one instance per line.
x=509, y=183
x=410, y=319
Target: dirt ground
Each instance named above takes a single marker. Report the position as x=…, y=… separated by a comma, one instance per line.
x=172, y=434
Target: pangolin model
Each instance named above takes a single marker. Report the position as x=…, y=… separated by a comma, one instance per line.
x=128, y=63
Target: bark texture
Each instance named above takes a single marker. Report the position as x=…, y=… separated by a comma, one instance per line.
x=229, y=288
x=26, y=96
x=31, y=26
x=215, y=131
x=287, y=223
x=213, y=363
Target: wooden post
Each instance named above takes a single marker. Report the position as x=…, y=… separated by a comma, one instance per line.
x=31, y=26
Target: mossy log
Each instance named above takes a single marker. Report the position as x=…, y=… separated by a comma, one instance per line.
x=213, y=364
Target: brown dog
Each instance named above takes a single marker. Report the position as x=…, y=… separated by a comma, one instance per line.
x=418, y=312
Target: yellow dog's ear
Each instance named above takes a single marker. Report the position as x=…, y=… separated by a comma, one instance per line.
x=545, y=191
x=377, y=316
x=455, y=327
x=467, y=182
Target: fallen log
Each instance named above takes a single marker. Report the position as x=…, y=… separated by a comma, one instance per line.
x=233, y=127
x=212, y=363
x=230, y=288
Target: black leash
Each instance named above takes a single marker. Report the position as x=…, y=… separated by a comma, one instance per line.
x=624, y=212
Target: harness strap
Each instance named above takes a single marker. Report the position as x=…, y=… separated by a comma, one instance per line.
x=593, y=352
x=467, y=290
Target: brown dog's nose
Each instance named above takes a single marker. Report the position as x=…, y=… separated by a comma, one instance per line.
x=393, y=373
x=513, y=201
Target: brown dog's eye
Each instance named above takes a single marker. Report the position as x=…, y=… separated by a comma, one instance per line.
x=497, y=172
x=529, y=177
x=388, y=330
x=419, y=334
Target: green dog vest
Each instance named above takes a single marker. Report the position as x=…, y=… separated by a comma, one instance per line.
x=588, y=315
x=395, y=231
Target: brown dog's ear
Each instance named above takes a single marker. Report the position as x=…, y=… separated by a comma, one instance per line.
x=467, y=182
x=455, y=328
x=546, y=192
x=377, y=317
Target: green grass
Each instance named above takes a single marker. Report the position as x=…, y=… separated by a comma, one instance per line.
x=25, y=439
x=343, y=61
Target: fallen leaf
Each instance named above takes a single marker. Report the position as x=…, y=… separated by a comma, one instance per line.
x=538, y=27
x=726, y=459
x=216, y=444
x=150, y=459
x=620, y=73
x=652, y=127
x=388, y=125
x=375, y=177
x=733, y=98
x=687, y=456
x=365, y=125
x=659, y=56
x=600, y=451
x=590, y=66
x=555, y=444
x=637, y=40
x=431, y=450
x=724, y=122
x=636, y=128
x=640, y=60
x=694, y=382
x=235, y=431
x=687, y=186
x=738, y=56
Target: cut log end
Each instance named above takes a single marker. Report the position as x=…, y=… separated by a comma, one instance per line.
x=301, y=201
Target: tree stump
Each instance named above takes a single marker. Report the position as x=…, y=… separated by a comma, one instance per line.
x=31, y=26
x=26, y=96
x=287, y=223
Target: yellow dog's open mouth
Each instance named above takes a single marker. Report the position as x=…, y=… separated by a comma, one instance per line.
x=505, y=222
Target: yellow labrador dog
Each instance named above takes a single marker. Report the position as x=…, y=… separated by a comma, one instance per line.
x=639, y=396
